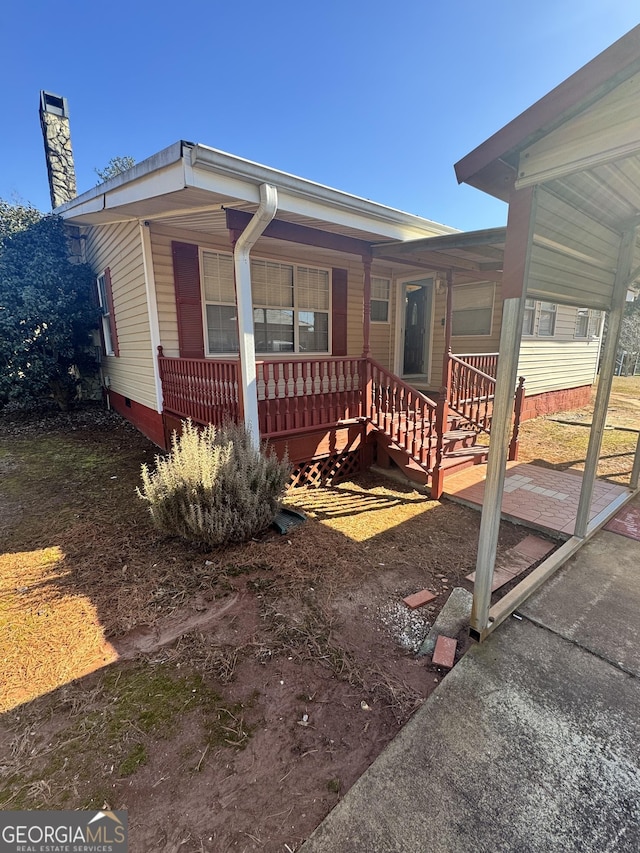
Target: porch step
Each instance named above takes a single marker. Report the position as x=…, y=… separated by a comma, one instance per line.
x=456, y=438
x=411, y=469
x=458, y=460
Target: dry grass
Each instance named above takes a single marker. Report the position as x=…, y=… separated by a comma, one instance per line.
x=560, y=440
x=51, y=636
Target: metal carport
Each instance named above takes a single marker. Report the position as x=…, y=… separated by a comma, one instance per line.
x=569, y=168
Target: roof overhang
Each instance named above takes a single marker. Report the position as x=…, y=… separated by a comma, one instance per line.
x=188, y=186
x=575, y=155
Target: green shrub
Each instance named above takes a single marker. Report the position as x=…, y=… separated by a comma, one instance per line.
x=214, y=487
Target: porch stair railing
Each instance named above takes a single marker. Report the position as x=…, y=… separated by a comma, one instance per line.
x=406, y=417
x=421, y=435
x=471, y=393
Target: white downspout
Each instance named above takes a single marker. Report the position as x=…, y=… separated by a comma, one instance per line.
x=242, y=268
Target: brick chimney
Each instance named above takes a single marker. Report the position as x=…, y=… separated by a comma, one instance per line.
x=54, y=120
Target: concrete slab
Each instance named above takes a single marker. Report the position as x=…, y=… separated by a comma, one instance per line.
x=453, y=617
x=530, y=744
x=594, y=600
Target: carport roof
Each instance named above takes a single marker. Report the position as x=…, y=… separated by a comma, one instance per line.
x=570, y=168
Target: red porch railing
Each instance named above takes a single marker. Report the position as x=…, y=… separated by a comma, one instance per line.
x=471, y=393
x=300, y=394
x=486, y=362
x=295, y=395
x=203, y=389
x=405, y=415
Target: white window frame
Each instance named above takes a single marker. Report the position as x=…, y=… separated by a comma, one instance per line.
x=379, y=299
x=459, y=289
x=593, y=321
x=530, y=310
x=101, y=285
x=205, y=302
x=295, y=307
x=552, y=312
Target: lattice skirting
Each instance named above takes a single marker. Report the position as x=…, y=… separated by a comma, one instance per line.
x=327, y=471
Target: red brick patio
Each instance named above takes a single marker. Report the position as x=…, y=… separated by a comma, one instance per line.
x=541, y=498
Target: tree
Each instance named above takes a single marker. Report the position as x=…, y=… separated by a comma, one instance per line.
x=16, y=217
x=115, y=166
x=46, y=308
x=629, y=343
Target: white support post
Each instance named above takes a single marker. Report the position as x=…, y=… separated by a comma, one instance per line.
x=607, y=369
x=242, y=267
x=517, y=256
x=152, y=308
x=635, y=471
x=507, y=373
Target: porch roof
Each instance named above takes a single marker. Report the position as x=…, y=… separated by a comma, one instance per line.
x=472, y=254
x=189, y=185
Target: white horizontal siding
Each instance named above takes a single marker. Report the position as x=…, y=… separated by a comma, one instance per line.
x=119, y=248
x=552, y=364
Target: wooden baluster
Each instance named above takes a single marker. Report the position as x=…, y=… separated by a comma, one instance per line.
x=519, y=400
x=296, y=368
x=266, y=368
x=322, y=367
x=402, y=419
x=285, y=390
x=305, y=394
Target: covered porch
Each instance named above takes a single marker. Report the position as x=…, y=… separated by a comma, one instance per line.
x=342, y=411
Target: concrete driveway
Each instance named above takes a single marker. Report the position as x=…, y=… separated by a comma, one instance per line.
x=531, y=744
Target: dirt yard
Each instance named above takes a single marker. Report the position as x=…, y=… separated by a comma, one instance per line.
x=226, y=699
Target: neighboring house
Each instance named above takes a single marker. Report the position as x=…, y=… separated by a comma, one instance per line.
x=352, y=305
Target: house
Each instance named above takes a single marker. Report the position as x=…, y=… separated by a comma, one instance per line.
x=375, y=331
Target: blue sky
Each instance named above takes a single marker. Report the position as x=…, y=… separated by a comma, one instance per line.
x=378, y=99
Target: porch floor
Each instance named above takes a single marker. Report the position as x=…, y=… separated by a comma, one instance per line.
x=540, y=498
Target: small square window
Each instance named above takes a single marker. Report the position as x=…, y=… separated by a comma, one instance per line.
x=380, y=290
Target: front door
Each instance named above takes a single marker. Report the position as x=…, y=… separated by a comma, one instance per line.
x=417, y=318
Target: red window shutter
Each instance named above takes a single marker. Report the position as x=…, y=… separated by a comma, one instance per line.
x=112, y=316
x=339, y=312
x=186, y=278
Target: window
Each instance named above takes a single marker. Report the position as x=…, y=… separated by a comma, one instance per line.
x=472, y=310
x=290, y=306
x=529, y=322
x=105, y=300
x=380, y=289
x=547, y=321
x=587, y=323
x=220, y=300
